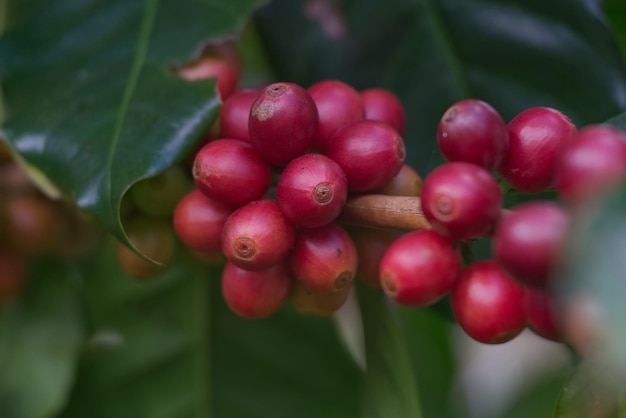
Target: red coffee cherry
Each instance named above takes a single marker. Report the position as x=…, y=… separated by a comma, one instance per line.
x=13, y=273
x=283, y=122
x=235, y=114
x=537, y=137
x=419, y=268
x=488, y=303
x=154, y=238
x=529, y=239
x=312, y=190
x=232, y=172
x=315, y=302
x=472, y=131
x=542, y=314
x=369, y=152
x=371, y=245
x=255, y=294
x=257, y=236
x=199, y=221
x=384, y=106
x=594, y=161
x=461, y=200
x=338, y=105
x=324, y=258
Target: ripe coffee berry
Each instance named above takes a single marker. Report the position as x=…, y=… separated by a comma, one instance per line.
x=312, y=190
x=528, y=241
x=369, y=152
x=324, y=258
x=231, y=171
x=541, y=314
x=537, y=137
x=488, y=303
x=257, y=236
x=235, y=113
x=419, y=268
x=461, y=200
x=384, y=106
x=472, y=131
x=255, y=294
x=594, y=161
x=199, y=221
x=338, y=105
x=315, y=302
x=283, y=122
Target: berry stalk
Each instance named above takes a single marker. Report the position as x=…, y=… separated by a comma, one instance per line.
x=383, y=211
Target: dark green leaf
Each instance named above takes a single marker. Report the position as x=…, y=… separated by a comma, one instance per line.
x=615, y=11
x=40, y=338
x=514, y=54
x=170, y=348
x=90, y=97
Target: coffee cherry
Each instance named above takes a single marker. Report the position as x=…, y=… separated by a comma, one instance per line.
x=419, y=268
x=315, y=302
x=155, y=238
x=158, y=196
x=371, y=245
x=255, y=294
x=219, y=61
x=199, y=221
x=472, y=131
x=235, y=113
x=338, y=105
x=257, y=236
x=324, y=258
x=461, y=200
x=13, y=273
x=232, y=172
x=283, y=122
x=488, y=303
x=406, y=183
x=537, y=136
x=312, y=190
x=594, y=161
x=369, y=152
x=541, y=314
x=384, y=106
x=528, y=241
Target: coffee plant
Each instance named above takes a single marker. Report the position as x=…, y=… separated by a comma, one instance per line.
x=319, y=208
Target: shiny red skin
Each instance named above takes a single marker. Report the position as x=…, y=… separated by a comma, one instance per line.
x=419, y=268
x=371, y=153
x=13, y=273
x=231, y=171
x=255, y=294
x=312, y=190
x=257, y=236
x=593, y=162
x=542, y=315
x=283, y=122
x=338, y=105
x=324, y=258
x=473, y=131
x=488, y=303
x=384, y=106
x=528, y=241
x=199, y=221
x=235, y=113
x=537, y=137
x=461, y=200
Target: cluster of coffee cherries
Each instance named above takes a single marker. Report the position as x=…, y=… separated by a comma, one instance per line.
x=539, y=150
x=272, y=185
x=34, y=226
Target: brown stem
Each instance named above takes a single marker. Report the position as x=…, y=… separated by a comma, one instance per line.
x=383, y=211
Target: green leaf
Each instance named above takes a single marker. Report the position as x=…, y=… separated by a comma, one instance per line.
x=514, y=54
x=615, y=11
x=91, y=98
x=40, y=338
x=170, y=348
